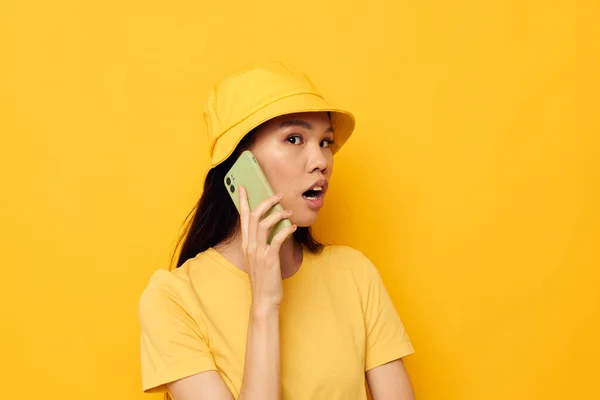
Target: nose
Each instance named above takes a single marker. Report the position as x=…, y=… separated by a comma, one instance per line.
x=317, y=159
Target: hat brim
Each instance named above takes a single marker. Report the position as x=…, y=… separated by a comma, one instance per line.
x=342, y=121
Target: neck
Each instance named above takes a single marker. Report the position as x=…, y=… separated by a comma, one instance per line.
x=290, y=254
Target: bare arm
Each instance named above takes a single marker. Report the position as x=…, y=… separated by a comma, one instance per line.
x=262, y=369
x=261, y=380
x=390, y=382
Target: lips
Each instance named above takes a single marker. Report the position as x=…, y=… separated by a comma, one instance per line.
x=315, y=193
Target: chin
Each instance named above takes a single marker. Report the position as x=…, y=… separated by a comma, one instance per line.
x=304, y=222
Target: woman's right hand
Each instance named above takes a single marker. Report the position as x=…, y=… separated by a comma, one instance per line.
x=261, y=259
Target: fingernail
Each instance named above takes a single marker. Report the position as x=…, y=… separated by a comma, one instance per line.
x=279, y=195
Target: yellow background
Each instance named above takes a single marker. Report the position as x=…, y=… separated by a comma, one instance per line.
x=472, y=180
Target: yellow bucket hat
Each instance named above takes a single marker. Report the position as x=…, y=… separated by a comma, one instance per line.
x=249, y=97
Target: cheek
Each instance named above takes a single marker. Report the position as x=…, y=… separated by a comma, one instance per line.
x=280, y=176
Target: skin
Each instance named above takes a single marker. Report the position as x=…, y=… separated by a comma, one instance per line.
x=293, y=153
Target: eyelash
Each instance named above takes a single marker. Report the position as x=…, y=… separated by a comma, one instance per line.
x=329, y=142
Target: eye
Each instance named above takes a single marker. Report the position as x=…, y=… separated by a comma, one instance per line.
x=295, y=139
x=327, y=143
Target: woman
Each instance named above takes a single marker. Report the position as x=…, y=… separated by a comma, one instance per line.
x=241, y=319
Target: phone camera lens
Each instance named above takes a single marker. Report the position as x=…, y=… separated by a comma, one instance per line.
x=228, y=181
x=232, y=188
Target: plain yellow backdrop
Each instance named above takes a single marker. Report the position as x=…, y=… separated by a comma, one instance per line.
x=472, y=179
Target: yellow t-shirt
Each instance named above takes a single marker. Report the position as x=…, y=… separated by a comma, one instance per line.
x=336, y=322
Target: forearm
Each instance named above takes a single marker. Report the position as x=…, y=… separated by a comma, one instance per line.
x=262, y=366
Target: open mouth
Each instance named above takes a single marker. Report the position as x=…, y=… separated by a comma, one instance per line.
x=313, y=194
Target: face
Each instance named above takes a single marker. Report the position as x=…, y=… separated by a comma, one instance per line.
x=293, y=151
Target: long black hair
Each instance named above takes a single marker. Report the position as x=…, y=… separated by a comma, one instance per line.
x=214, y=218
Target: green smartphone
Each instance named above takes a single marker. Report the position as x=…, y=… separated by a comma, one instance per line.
x=247, y=172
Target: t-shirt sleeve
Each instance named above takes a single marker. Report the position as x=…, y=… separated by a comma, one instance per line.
x=387, y=340
x=173, y=344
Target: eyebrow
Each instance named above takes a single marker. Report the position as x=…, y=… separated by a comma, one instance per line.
x=302, y=123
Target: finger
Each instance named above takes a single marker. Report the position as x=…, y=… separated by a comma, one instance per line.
x=244, y=215
x=268, y=222
x=266, y=205
x=256, y=215
x=280, y=238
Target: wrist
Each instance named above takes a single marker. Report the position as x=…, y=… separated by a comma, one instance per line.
x=262, y=311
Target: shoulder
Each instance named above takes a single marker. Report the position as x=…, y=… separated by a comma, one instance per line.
x=162, y=294
x=167, y=287
x=168, y=281
x=346, y=257
x=342, y=250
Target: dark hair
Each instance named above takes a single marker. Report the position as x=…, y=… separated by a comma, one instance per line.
x=214, y=217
